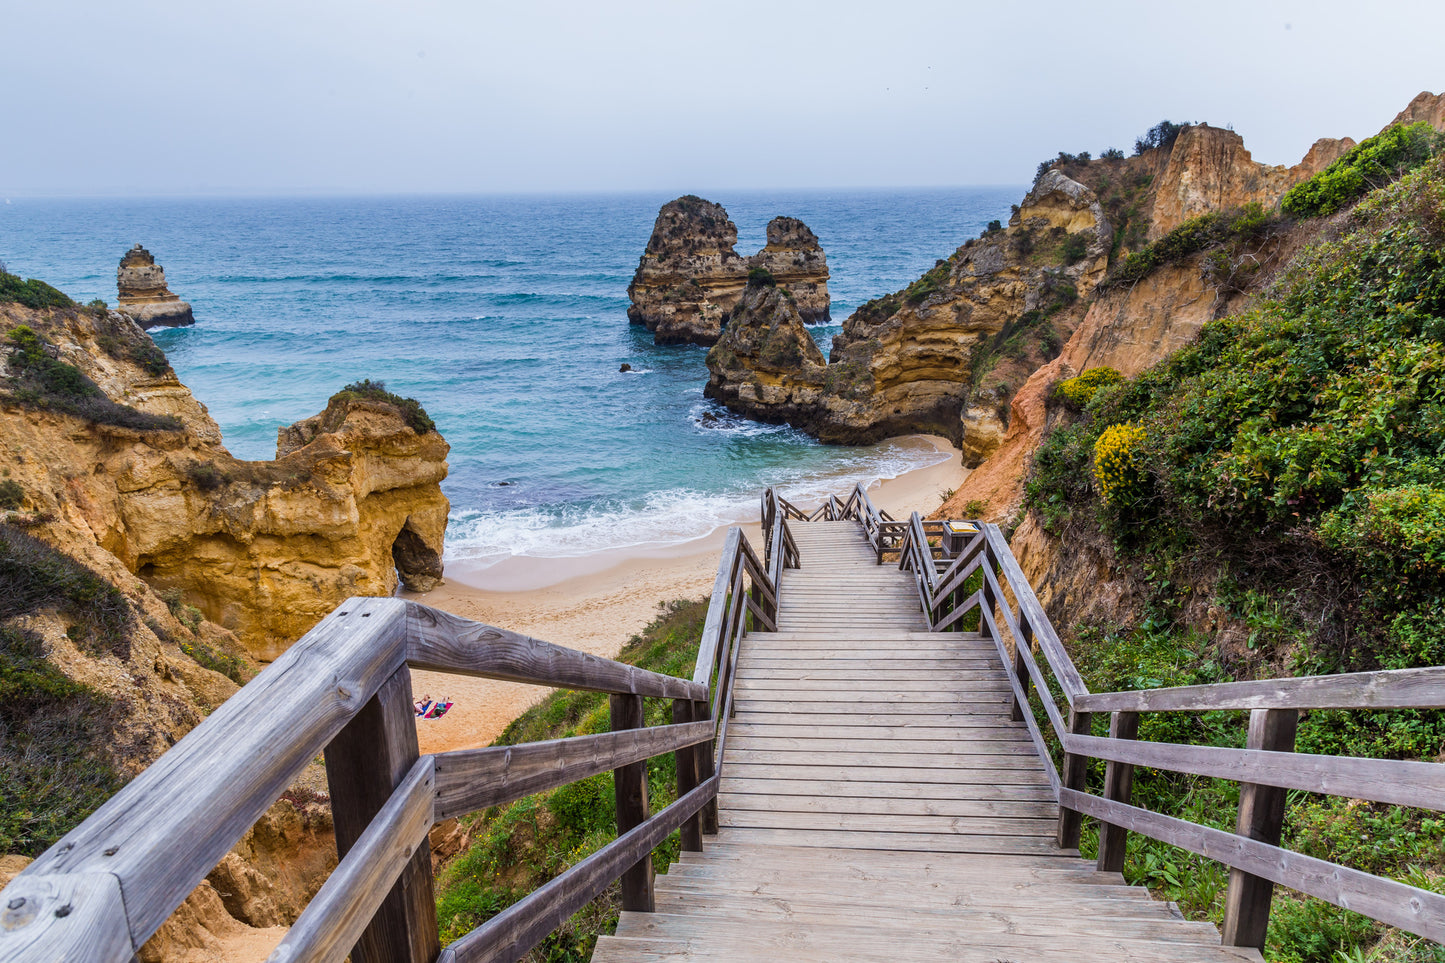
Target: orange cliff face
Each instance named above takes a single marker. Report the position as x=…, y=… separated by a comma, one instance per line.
x=264, y=549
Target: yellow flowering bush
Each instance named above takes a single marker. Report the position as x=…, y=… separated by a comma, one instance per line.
x=1078, y=392
x=1117, y=467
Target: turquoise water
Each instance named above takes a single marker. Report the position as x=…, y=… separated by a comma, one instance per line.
x=506, y=317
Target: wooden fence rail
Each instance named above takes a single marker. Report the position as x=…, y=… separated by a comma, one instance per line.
x=1010, y=615
x=345, y=688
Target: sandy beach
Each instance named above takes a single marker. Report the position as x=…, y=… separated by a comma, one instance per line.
x=597, y=603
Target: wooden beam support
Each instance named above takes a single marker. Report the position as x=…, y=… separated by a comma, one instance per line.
x=687, y=780
x=629, y=786
x=1118, y=785
x=1261, y=817
x=704, y=753
x=1072, y=775
x=365, y=764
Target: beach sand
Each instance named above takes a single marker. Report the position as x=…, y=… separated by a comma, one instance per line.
x=597, y=603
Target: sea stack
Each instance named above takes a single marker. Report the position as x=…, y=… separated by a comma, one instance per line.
x=690, y=278
x=141, y=284
x=796, y=261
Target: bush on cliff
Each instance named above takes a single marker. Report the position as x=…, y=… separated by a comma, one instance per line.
x=1285, y=479
x=31, y=293
x=409, y=408
x=1370, y=164
x=1243, y=224
x=520, y=846
x=39, y=380
x=54, y=770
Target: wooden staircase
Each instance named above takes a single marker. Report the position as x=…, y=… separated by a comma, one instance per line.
x=877, y=803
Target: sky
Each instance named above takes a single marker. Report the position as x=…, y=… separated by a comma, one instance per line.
x=155, y=97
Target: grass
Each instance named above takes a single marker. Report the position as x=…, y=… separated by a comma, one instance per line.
x=520, y=846
x=54, y=771
x=40, y=380
x=34, y=576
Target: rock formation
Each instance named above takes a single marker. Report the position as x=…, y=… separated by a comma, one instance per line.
x=141, y=283
x=689, y=277
x=766, y=365
x=264, y=548
x=1427, y=107
x=796, y=261
x=1209, y=169
x=905, y=362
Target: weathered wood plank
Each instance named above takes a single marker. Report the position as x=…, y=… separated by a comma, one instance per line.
x=866, y=824
x=367, y=762
x=1071, y=775
x=1010, y=744
x=774, y=783
x=1391, y=689
x=707, y=650
x=443, y=642
x=1006, y=776
x=510, y=934
x=1118, y=785
x=982, y=728
x=333, y=921
x=1396, y=904
x=685, y=762
x=473, y=779
x=946, y=842
x=67, y=916
x=231, y=767
x=1402, y=783
x=1030, y=609
x=1020, y=757
x=1261, y=817
x=885, y=805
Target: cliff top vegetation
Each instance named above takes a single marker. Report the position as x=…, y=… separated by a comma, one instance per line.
x=1281, y=477
x=409, y=408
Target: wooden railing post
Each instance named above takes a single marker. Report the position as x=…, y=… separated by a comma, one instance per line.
x=629, y=787
x=1261, y=817
x=364, y=763
x=687, y=781
x=1118, y=784
x=1072, y=776
x=703, y=753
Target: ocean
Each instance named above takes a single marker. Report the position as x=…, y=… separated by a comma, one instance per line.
x=506, y=317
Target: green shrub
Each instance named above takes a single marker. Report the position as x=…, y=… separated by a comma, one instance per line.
x=759, y=277
x=1370, y=164
x=12, y=495
x=54, y=768
x=31, y=293
x=1161, y=135
x=1194, y=235
x=928, y=285
x=1074, y=248
x=410, y=409
x=38, y=380
x=1078, y=392
x=36, y=576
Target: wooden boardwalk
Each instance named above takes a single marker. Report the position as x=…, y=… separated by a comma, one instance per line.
x=877, y=803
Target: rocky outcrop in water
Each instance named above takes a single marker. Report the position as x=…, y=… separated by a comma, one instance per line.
x=766, y=365
x=141, y=284
x=906, y=362
x=689, y=277
x=797, y=263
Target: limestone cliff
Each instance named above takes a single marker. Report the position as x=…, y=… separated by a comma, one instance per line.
x=1209, y=169
x=141, y=284
x=262, y=548
x=907, y=362
x=689, y=276
x=1427, y=107
x=766, y=365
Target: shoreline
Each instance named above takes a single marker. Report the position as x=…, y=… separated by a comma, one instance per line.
x=595, y=603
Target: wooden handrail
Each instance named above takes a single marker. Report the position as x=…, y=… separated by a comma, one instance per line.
x=1408, y=783
x=347, y=681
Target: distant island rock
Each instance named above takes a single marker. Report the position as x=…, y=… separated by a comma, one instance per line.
x=141, y=284
x=690, y=278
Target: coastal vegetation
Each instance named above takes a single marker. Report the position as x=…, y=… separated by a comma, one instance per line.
x=54, y=763
x=520, y=846
x=1372, y=163
x=409, y=408
x=31, y=293
x=1272, y=492
x=39, y=379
